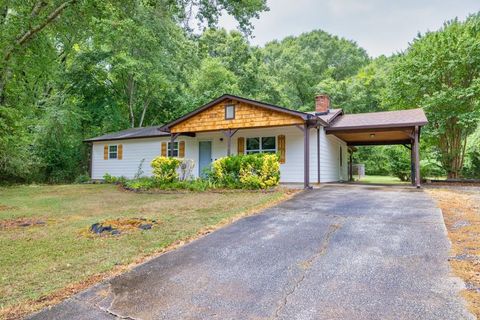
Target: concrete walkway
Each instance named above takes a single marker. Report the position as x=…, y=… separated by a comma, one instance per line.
x=339, y=252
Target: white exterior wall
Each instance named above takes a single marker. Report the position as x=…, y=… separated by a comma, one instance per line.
x=330, y=169
x=134, y=150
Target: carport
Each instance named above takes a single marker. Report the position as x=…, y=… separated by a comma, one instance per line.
x=401, y=127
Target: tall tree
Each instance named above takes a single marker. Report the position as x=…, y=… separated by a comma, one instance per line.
x=298, y=64
x=441, y=73
x=362, y=92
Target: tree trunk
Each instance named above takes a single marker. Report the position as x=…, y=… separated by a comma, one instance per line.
x=452, y=147
x=130, y=94
x=145, y=106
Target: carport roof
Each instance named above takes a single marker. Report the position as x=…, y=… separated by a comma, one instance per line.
x=374, y=120
x=378, y=128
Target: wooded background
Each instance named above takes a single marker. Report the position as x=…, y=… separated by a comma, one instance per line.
x=71, y=70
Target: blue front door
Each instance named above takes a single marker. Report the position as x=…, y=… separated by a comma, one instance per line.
x=204, y=157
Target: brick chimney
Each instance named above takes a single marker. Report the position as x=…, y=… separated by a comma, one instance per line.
x=322, y=103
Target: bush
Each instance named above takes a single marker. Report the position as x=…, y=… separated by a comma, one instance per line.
x=431, y=169
x=399, y=163
x=148, y=183
x=165, y=169
x=143, y=183
x=107, y=178
x=255, y=171
x=83, y=178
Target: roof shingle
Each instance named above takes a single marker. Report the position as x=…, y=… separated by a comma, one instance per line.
x=131, y=133
x=400, y=118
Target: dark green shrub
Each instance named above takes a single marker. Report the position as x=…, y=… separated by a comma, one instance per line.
x=399, y=163
x=83, y=178
x=431, y=169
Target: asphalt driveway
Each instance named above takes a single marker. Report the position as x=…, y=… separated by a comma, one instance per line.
x=339, y=252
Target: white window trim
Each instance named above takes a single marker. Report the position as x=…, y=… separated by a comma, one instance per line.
x=232, y=106
x=116, y=152
x=260, y=150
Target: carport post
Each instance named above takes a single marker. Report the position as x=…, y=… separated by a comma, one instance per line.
x=350, y=166
x=229, y=134
x=306, y=154
x=417, y=157
x=412, y=163
x=306, y=157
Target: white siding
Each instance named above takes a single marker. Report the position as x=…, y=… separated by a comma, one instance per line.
x=134, y=150
x=330, y=169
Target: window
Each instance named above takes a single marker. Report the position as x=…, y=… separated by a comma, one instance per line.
x=175, y=149
x=112, y=151
x=261, y=145
x=229, y=112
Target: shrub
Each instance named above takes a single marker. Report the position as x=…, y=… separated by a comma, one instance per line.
x=148, y=183
x=107, y=178
x=399, y=163
x=83, y=178
x=143, y=183
x=165, y=168
x=255, y=171
x=431, y=169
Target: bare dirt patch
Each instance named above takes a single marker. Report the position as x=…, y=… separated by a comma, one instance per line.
x=20, y=223
x=5, y=208
x=119, y=226
x=461, y=212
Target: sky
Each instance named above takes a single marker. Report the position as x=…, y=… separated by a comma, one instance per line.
x=380, y=27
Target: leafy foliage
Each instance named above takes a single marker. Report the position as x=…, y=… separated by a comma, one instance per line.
x=441, y=73
x=70, y=70
x=399, y=162
x=165, y=169
x=253, y=171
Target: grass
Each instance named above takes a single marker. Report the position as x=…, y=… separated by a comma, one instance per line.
x=44, y=263
x=381, y=180
x=461, y=212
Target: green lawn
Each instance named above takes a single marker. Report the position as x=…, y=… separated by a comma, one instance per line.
x=38, y=261
x=381, y=180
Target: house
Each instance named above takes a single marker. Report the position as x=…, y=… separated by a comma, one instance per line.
x=314, y=147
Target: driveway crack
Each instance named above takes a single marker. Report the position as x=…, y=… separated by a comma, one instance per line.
x=307, y=264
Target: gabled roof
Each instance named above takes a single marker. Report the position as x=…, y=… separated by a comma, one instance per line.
x=303, y=115
x=131, y=133
x=374, y=120
x=329, y=116
x=334, y=120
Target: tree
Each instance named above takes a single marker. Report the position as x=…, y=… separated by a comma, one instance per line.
x=210, y=81
x=298, y=64
x=73, y=69
x=441, y=73
x=362, y=92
